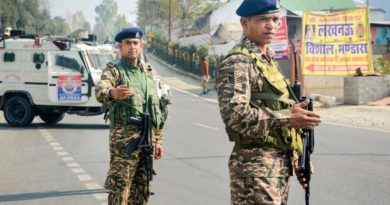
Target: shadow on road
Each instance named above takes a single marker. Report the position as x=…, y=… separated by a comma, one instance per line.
x=5, y=126
x=42, y=195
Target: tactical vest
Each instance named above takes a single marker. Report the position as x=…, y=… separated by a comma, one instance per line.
x=275, y=95
x=144, y=98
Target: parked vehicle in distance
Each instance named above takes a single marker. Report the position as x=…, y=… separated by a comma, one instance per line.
x=47, y=77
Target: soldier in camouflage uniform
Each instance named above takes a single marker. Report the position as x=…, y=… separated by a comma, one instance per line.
x=260, y=113
x=128, y=89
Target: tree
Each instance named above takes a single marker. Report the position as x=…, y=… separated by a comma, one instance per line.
x=32, y=16
x=183, y=12
x=121, y=22
x=77, y=21
x=105, y=19
x=60, y=27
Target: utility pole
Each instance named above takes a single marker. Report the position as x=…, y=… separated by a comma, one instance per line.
x=145, y=15
x=170, y=20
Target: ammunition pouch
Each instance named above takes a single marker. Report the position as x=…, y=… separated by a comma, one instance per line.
x=285, y=139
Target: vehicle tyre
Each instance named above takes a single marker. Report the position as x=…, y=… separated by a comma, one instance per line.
x=52, y=117
x=18, y=112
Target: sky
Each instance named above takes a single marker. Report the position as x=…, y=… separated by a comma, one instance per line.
x=384, y=4
x=64, y=7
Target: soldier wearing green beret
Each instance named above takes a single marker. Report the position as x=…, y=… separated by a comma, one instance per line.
x=128, y=89
x=260, y=112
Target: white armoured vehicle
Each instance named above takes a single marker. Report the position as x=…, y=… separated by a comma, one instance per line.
x=48, y=77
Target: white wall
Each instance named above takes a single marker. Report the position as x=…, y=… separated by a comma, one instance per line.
x=225, y=13
x=196, y=40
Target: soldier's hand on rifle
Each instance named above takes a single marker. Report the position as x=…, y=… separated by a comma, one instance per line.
x=300, y=175
x=120, y=92
x=301, y=118
x=158, y=151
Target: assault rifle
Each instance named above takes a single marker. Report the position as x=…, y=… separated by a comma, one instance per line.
x=144, y=143
x=307, y=135
x=308, y=148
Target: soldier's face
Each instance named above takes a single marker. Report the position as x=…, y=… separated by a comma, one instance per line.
x=261, y=28
x=131, y=49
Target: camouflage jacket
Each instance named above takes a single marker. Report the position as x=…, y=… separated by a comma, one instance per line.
x=237, y=78
x=110, y=78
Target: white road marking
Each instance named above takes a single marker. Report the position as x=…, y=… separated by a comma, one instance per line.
x=72, y=164
x=84, y=177
x=93, y=185
x=58, y=148
x=62, y=153
x=194, y=95
x=101, y=196
x=67, y=159
x=330, y=123
x=205, y=126
x=78, y=170
x=48, y=137
x=75, y=167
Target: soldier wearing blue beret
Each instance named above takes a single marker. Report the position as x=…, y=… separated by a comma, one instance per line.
x=128, y=89
x=132, y=32
x=261, y=114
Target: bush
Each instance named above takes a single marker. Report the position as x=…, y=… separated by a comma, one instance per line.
x=382, y=65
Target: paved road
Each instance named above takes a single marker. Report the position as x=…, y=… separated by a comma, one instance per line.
x=67, y=163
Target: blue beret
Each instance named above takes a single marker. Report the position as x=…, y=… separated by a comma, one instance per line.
x=132, y=32
x=256, y=7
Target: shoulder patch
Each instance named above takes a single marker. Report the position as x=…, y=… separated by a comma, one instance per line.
x=149, y=67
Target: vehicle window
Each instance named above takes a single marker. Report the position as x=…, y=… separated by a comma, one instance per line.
x=9, y=57
x=39, y=58
x=101, y=60
x=67, y=62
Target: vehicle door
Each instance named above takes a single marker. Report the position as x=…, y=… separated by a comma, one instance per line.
x=68, y=78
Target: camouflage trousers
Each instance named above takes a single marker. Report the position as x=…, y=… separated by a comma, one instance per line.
x=259, y=190
x=259, y=176
x=126, y=178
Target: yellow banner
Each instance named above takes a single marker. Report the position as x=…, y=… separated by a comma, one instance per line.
x=337, y=43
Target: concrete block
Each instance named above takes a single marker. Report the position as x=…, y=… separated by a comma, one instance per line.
x=361, y=90
x=328, y=101
x=315, y=97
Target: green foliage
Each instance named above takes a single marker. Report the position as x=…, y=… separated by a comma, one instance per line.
x=203, y=50
x=31, y=16
x=174, y=45
x=107, y=20
x=382, y=65
x=190, y=49
x=77, y=21
x=155, y=13
x=158, y=37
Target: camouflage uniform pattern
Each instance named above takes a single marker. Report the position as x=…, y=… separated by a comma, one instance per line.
x=126, y=180
x=258, y=174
